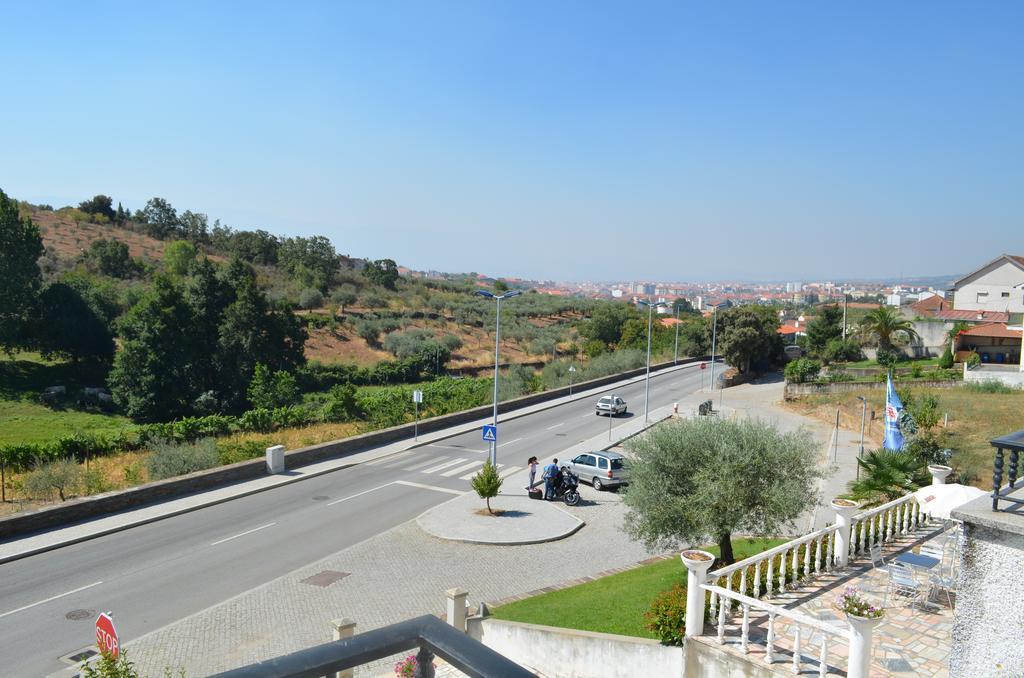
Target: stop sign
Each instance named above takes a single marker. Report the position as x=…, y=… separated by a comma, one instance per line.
x=106, y=635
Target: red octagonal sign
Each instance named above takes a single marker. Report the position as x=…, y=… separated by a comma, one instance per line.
x=106, y=636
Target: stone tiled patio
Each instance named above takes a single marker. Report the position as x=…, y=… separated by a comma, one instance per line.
x=912, y=640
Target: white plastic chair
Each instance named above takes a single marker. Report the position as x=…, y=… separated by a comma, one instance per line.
x=944, y=580
x=933, y=550
x=875, y=552
x=902, y=582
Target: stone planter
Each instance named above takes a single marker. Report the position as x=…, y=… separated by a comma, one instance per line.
x=939, y=473
x=695, y=559
x=697, y=565
x=844, y=509
x=861, y=633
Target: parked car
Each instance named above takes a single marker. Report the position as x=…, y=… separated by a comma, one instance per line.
x=611, y=405
x=601, y=469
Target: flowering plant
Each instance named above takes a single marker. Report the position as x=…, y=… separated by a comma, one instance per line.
x=407, y=667
x=853, y=604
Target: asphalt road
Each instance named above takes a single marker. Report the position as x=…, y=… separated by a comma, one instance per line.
x=158, y=573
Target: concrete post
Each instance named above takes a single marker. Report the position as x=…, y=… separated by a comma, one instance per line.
x=939, y=473
x=861, y=636
x=343, y=628
x=697, y=565
x=275, y=459
x=844, y=509
x=456, y=608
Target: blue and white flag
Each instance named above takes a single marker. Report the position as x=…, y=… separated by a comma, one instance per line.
x=893, y=408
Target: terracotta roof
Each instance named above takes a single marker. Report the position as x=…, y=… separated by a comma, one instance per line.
x=929, y=306
x=787, y=329
x=990, y=330
x=669, y=322
x=972, y=316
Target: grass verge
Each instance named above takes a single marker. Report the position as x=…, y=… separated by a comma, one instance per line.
x=616, y=603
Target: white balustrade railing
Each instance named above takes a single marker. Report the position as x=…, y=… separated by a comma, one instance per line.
x=884, y=523
x=817, y=557
x=830, y=634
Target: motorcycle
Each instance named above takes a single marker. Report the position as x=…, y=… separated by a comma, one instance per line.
x=567, y=487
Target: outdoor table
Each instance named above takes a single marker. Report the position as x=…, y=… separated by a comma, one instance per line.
x=917, y=560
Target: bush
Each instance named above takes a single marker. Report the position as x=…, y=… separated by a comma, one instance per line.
x=234, y=451
x=62, y=475
x=887, y=358
x=311, y=298
x=916, y=371
x=169, y=459
x=989, y=386
x=838, y=350
x=973, y=360
x=340, y=404
x=837, y=374
x=802, y=369
x=407, y=344
x=291, y=417
x=259, y=420
x=946, y=361
x=268, y=390
x=667, y=616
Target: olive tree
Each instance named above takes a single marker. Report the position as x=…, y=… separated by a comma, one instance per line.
x=704, y=479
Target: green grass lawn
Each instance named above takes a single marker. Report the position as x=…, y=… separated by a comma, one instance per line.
x=24, y=419
x=616, y=603
x=903, y=363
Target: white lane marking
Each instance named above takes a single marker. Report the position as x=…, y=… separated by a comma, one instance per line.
x=435, y=469
x=400, y=459
x=459, y=449
x=585, y=416
x=242, y=534
x=59, y=595
x=555, y=426
x=372, y=489
x=421, y=464
x=469, y=476
x=514, y=440
x=460, y=469
x=428, y=487
x=383, y=460
x=509, y=471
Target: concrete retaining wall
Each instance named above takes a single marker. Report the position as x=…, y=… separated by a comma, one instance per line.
x=705, y=660
x=1007, y=378
x=567, y=653
x=84, y=508
x=797, y=390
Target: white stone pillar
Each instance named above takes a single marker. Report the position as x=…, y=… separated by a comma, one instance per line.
x=861, y=632
x=275, y=459
x=343, y=628
x=697, y=565
x=456, y=608
x=844, y=509
x=939, y=473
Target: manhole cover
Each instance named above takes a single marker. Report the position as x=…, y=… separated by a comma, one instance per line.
x=79, y=615
x=325, y=578
x=78, y=656
x=321, y=497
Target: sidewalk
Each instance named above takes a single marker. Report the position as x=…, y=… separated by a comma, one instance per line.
x=97, y=527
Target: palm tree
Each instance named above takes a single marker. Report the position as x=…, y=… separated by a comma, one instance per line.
x=886, y=327
x=887, y=475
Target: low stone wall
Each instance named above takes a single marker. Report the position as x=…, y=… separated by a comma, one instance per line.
x=1007, y=377
x=793, y=391
x=84, y=508
x=566, y=653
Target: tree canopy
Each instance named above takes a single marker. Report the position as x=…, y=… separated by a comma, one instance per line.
x=695, y=480
x=382, y=272
x=748, y=336
x=828, y=325
x=20, y=279
x=886, y=327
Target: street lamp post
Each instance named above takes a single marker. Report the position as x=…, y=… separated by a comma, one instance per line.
x=497, y=339
x=863, y=415
x=647, y=381
x=714, y=330
x=675, y=351
x=572, y=371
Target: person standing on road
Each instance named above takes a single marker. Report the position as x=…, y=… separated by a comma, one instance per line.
x=533, y=463
x=550, y=473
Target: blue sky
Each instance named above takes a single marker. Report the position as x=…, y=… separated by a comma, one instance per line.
x=564, y=140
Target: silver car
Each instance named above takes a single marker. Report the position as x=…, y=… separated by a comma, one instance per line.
x=601, y=469
x=610, y=405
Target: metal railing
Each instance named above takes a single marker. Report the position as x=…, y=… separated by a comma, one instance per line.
x=1014, y=442
x=427, y=633
x=830, y=633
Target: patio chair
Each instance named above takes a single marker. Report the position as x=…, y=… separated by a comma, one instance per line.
x=902, y=582
x=875, y=553
x=934, y=550
x=945, y=581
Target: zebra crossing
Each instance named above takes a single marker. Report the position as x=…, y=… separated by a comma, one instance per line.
x=442, y=465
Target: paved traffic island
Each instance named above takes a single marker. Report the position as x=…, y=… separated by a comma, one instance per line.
x=517, y=519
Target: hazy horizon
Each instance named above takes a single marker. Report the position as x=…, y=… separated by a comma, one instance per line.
x=570, y=142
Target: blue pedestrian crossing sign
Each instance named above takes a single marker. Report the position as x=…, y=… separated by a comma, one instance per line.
x=490, y=433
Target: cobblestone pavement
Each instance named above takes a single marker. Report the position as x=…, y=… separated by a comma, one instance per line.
x=399, y=574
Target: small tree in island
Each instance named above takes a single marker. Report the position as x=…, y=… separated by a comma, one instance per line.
x=487, y=483
x=704, y=479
